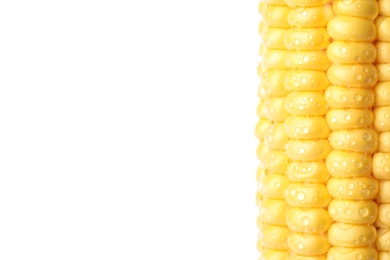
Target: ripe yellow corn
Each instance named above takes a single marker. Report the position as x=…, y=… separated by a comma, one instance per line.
x=271, y=220
x=324, y=130
x=381, y=160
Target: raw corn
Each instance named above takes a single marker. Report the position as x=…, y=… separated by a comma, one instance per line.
x=306, y=127
x=324, y=130
x=353, y=139
x=271, y=220
x=381, y=160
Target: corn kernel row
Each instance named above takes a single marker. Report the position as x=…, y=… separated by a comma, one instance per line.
x=273, y=234
x=350, y=98
x=307, y=130
x=381, y=160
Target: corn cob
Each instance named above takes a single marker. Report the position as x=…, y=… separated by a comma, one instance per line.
x=320, y=112
x=350, y=98
x=307, y=148
x=353, y=140
x=381, y=160
x=269, y=130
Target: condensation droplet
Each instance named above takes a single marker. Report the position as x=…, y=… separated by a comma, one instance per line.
x=363, y=212
x=301, y=196
x=305, y=221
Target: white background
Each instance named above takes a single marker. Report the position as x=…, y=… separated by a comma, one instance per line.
x=127, y=129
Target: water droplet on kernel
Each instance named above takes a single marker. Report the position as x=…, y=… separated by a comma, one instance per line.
x=358, y=76
x=357, y=97
x=359, y=164
x=363, y=212
x=305, y=221
x=301, y=196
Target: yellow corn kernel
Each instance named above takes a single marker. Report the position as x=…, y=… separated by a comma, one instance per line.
x=271, y=254
x=274, y=160
x=384, y=142
x=343, y=97
x=308, y=220
x=381, y=166
x=304, y=127
x=384, y=255
x=293, y=3
x=314, y=172
x=274, y=15
x=348, y=28
x=383, y=219
x=384, y=192
x=357, y=75
x=259, y=197
x=272, y=83
x=308, y=150
x=346, y=253
x=339, y=119
x=354, y=212
x=351, y=52
x=383, y=50
x=261, y=93
x=261, y=27
x=351, y=235
x=260, y=111
x=261, y=127
x=260, y=173
x=306, y=103
x=273, y=211
x=310, y=17
x=348, y=164
x=383, y=72
x=273, y=236
x=274, y=109
x=308, y=244
x=305, y=60
x=383, y=240
x=306, y=39
x=382, y=118
x=359, y=188
x=293, y=256
x=306, y=80
x=382, y=94
x=262, y=151
x=384, y=7
x=360, y=8
x=273, y=186
x=356, y=140
x=383, y=28
x=307, y=195
x=274, y=59
x=273, y=37
x=275, y=137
